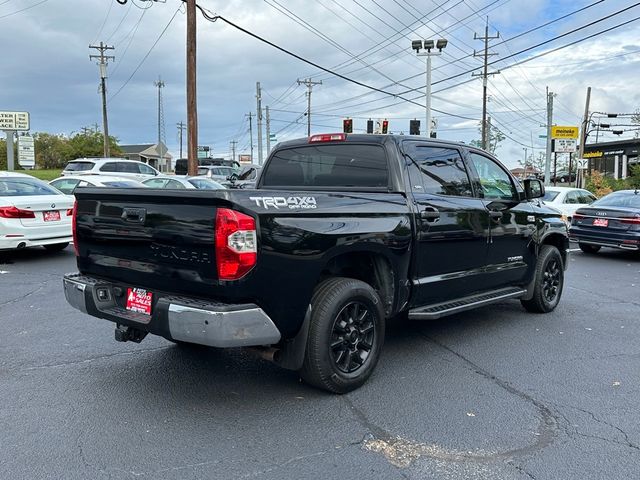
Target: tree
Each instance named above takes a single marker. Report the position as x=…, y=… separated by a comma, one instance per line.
x=52, y=151
x=495, y=138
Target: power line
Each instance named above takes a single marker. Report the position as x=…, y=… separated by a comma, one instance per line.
x=23, y=9
x=147, y=55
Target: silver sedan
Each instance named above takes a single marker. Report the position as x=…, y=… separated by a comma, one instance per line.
x=175, y=182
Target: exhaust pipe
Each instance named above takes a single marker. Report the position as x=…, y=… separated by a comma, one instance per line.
x=268, y=354
x=629, y=247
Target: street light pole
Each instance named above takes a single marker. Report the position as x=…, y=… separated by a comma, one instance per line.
x=428, y=45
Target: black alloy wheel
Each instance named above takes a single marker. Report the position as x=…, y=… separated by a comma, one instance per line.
x=353, y=337
x=548, y=281
x=346, y=334
x=551, y=279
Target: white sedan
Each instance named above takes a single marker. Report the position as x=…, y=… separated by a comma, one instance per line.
x=176, y=182
x=33, y=213
x=567, y=199
x=68, y=183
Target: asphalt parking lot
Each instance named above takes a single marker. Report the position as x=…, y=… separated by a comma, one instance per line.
x=495, y=393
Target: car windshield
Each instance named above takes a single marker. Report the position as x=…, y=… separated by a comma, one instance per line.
x=79, y=166
x=19, y=187
x=121, y=184
x=549, y=196
x=619, y=199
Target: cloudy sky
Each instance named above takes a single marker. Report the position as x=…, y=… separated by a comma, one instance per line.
x=46, y=68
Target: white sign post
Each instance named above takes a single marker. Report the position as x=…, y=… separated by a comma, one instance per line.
x=582, y=163
x=11, y=122
x=26, y=152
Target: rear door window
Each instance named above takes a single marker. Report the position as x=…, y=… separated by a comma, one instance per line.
x=109, y=167
x=128, y=167
x=336, y=165
x=437, y=170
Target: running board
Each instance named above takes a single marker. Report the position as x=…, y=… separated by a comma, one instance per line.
x=437, y=310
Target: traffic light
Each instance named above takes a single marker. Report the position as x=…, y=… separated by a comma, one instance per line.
x=347, y=125
x=369, y=126
x=385, y=127
x=414, y=127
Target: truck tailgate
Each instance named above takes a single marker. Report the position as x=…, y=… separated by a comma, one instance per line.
x=157, y=239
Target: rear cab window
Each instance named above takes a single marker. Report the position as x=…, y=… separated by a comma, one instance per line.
x=328, y=166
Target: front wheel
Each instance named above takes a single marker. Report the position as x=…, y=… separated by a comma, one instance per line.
x=56, y=247
x=586, y=248
x=549, y=280
x=346, y=334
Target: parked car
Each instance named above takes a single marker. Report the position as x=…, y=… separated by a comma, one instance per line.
x=110, y=166
x=567, y=199
x=33, y=213
x=342, y=234
x=611, y=221
x=68, y=184
x=563, y=176
x=188, y=183
x=181, y=164
x=247, y=177
x=217, y=173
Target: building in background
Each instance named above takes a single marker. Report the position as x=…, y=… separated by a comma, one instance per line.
x=148, y=153
x=613, y=159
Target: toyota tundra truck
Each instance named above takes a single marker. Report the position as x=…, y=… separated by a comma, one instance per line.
x=343, y=234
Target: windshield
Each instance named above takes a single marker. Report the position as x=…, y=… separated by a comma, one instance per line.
x=18, y=187
x=79, y=166
x=619, y=199
x=549, y=195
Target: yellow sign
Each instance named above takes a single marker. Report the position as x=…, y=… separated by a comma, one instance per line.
x=592, y=154
x=564, y=132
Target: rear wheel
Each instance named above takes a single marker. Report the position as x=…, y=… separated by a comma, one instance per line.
x=346, y=334
x=549, y=280
x=586, y=248
x=56, y=247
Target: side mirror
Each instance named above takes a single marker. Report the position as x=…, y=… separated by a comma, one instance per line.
x=533, y=188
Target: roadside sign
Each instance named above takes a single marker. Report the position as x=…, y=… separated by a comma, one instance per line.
x=582, y=163
x=542, y=136
x=272, y=137
x=564, y=145
x=564, y=132
x=26, y=152
x=203, y=151
x=14, y=120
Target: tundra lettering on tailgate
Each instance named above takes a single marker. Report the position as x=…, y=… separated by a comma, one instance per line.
x=169, y=252
x=292, y=203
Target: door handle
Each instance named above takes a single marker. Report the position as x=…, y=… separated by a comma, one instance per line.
x=430, y=214
x=135, y=215
x=494, y=214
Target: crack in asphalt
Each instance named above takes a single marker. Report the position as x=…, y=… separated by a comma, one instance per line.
x=402, y=452
x=615, y=299
x=92, y=359
x=22, y=297
x=626, y=443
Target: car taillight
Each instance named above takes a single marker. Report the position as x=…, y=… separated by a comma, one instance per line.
x=13, y=212
x=69, y=212
x=631, y=221
x=74, y=213
x=236, y=244
x=328, y=137
x=576, y=216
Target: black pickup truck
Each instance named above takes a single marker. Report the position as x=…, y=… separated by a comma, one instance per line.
x=342, y=234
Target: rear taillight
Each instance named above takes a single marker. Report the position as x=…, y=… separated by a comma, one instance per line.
x=328, y=137
x=236, y=244
x=74, y=213
x=69, y=212
x=13, y=212
x=576, y=216
x=630, y=221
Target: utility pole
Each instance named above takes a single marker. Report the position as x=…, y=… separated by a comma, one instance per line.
x=268, y=130
x=160, y=85
x=102, y=63
x=309, y=84
x=233, y=149
x=524, y=175
x=192, y=106
x=547, y=164
x=250, y=115
x=259, y=118
x=485, y=74
x=583, y=136
x=181, y=128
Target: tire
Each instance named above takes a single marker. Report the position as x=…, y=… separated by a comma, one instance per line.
x=549, y=281
x=586, y=248
x=346, y=334
x=56, y=247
